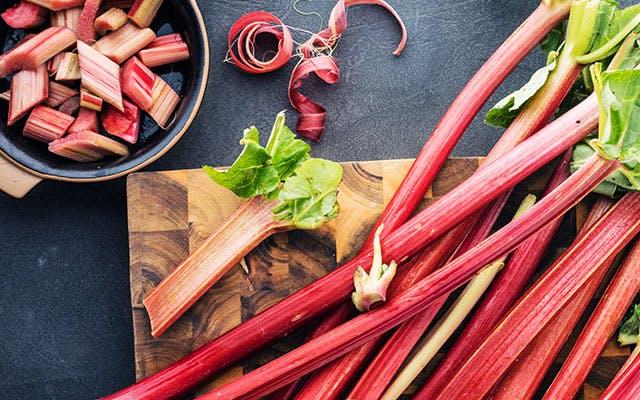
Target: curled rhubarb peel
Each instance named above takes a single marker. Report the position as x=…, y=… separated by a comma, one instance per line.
x=312, y=115
x=242, y=37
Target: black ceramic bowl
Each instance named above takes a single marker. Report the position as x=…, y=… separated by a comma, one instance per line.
x=26, y=162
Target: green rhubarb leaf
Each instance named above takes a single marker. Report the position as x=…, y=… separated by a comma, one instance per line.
x=630, y=330
x=309, y=197
x=252, y=173
x=259, y=171
x=614, y=186
x=554, y=38
x=507, y=109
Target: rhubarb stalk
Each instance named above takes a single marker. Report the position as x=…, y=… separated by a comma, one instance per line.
x=100, y=75
x=86, y=30
x=164, y=50
x=87, y=120
x=59, y=93
x=289, y=190
x=87, y=146
x=143, y=12
x=47, y=124
x=601, y=325
x=57, y=5
x=110, y=20
x=123, y=43
x=90, y=100
x=69, y=18
x=164, y=101
x=626, y=384
x=28, y=89
x=68, y=68
x=25, y=15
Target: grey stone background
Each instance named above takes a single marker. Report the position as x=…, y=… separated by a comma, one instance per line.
x=65, y=322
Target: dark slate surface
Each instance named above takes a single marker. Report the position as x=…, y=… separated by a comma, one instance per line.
x=65, y=322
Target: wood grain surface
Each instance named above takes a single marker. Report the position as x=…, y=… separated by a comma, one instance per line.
x=171, y=213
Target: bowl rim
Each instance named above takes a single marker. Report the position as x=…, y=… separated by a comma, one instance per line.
x=194, y=111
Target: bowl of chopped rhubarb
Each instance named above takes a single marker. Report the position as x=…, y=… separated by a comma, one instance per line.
x=92, y=90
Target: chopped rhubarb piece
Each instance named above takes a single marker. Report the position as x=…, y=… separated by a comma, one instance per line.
x=28, y=89
x=124, y=42
x=37, y=50
x=6, y=95
x=86, y=146
x=57, y=5
x=165, y=101
x=25, y=15
x=69, y=18
x=59, y=93
x=70, y=106
x=100, y=75
x=54, y=63
x=137, y=82
x=47, y=124
x=86, y=31
x=111, y=20
x=123, y=124
x=90, y=100
x=143, y=12
x=87, y=120
x=164, y=50
x=69, y=68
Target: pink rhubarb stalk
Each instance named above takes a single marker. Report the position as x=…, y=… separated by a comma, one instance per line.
x=86, y=30
x=601, y=326
x=69, y=18
x=165, y=50
x=123, y=124
x=626, y=384
x=164, y=102
x=100, y=75
x=68, y=68
x=25, y=15
x=59, y=93
x=137, y=83
x=47, y=124
x=37, y=50
x=124, y=42
x=28, y=89
x=87, y=146
x=310, y=302
x=57, y=5
x=87, y=120
x=110, y=20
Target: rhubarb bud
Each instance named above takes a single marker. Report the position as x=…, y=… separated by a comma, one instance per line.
x=143, y=12
x=371, y=288
x=124, y=42
x=47, y=124
x=111, y=20
x=25, y=15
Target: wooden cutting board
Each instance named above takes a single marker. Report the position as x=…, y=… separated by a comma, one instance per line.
x=171, y=213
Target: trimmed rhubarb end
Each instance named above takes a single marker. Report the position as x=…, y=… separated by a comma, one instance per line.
x=86, y=30
x=164, y=50
x=125, y=125
x=90, y=100
x=111, y=20
x=124, y=42
x=100, y=75
x=70, y=106
x=69, y=18
x=69, y=68
x=165, y=101
x=25, y=15
x=137, y=82
x=34, y=52
x=57, y=5
x=59, y=93
x=47, y=124
x=371, y=288
x=87, y=120
x=143, y=12
x=28, y=89
x=87, y=146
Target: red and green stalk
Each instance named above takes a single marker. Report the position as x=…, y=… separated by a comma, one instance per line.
x=312, y=301
x=626, y=384
x=601, y=326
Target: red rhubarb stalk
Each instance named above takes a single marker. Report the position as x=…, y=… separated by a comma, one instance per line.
x=110, y=20
x=91, y=101
x=123, y=124
x=25, y=15
x=87, y=120
x=599, y=329
x=626, y=384
x=123, y=43
x=69, y=18
x=425, y=227
x=37, y=50
x=59, y=93
x=137, y=83
x=164, y=101
x=86, y=30
x=87, y=146
x=100, y=75
x=143, y=12
x=57, y=5
x=28, y=89
x=164, y=50
x=505, y=291
x=47, y=124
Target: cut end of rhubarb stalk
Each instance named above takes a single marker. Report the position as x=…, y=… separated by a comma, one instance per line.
x=100, y=75
x=28, y=89
x=137, y=82
x=25, y=15
x=124, y=42
x=47, y=124
x=143, y=12
x=87, y=146
x=164, y=102
x=90, y=100
x=123, y=124
x=164, y=50
x=110, y=20
x=371, y=288
x=68, y=68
